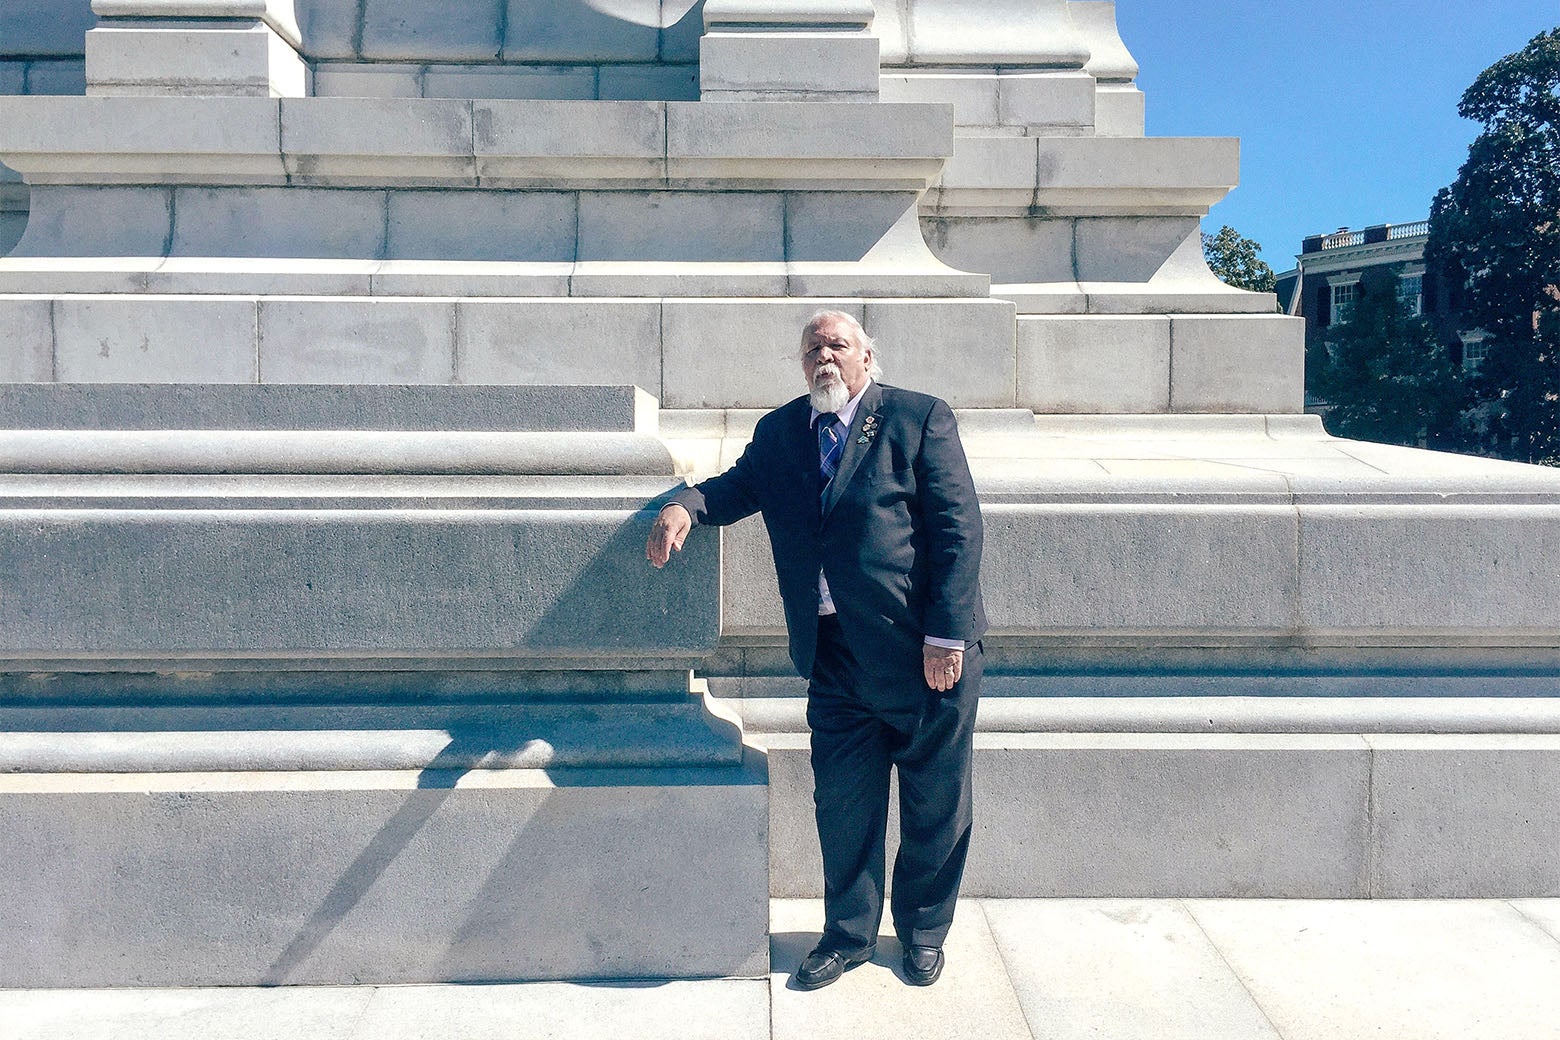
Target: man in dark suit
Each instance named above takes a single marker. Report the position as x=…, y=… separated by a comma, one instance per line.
x=876, y=534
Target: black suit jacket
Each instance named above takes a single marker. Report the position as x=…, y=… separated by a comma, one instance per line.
x=898, y=535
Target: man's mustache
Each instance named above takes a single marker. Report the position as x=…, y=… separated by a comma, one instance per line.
x=825, y=372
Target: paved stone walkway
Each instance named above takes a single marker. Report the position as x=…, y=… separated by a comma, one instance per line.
x=1054, y=969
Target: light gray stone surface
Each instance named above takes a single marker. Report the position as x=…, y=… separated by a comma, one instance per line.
x=1068, y=364
x=342, y=79
x=648, y=83
x=1125, y=969
x=960, y=352
x=356, y=341
x=539, y=341
x=1236, y=363
x=1502, y=835
x=129, y=340
x=810, y=64
x=361, y=140
x=578, y=30
x=226, y=58
x=278, y=222
x=65, y=76
x=403, y=29
x=322, y=878
x=391, y=581
x=502, y=81
x=972, y=1001
x=1352, y=970
x=482, y=225
x=578, y=409
x=27, y=331
x=670, y=226
x=107, y=221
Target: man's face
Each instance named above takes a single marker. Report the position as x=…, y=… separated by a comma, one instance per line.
x=830, y=354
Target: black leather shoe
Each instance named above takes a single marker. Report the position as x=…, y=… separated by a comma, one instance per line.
x=923, y=964
x=823, y=966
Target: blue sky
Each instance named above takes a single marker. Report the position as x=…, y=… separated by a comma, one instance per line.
x=1346, y=109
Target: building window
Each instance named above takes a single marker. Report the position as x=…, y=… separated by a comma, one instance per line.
x=1411, y=293
x=1343, y=297
x=1474, y=353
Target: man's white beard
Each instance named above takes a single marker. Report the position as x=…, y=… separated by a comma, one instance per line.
x=829, y=392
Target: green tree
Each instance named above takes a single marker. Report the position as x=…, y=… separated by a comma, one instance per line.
x=1237, y=260
x=1496, y=230
x=1387, y=376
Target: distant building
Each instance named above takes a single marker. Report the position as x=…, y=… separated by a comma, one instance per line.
x=1324, y=286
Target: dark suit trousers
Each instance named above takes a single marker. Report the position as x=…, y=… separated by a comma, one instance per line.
x=854, y=745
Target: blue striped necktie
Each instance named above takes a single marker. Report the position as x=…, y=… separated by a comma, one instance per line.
x=831, y=445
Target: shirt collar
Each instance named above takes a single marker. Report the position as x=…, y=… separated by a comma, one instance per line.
x=846, y=415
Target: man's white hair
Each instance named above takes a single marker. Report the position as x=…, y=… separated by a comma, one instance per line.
x=859, y=334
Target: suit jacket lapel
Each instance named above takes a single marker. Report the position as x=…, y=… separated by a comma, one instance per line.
x=855, y=450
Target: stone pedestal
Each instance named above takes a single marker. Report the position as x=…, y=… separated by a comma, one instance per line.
x=788, y=50
x=239, y=48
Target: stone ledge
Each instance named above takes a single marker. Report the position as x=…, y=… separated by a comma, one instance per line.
x=375, y=141
x=1085, y=176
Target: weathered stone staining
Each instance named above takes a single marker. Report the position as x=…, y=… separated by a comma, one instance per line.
x=326, y=647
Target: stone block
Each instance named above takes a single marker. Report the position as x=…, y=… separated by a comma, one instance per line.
x=12, y=227
x=961, y=351
x=1068, y=364
x=847, y=226
x=341, y=79
x=329, y=28
x=890, y=24
x=356, y=341
x=1010, y=33
x=55, y=275
x=129, y=340
x=1186, y=570
x=993, y=172
x=279, y=222
x=582, y=31
x=1010, y=251
x=736, y=354
x=972, y=95
x=460, y=278
x=326, y=406
x=248, y=276
x=45, y=27
x=1119, y=111
x=431, y=30
x=309, y=878
x=781, y=63
x=1461, y=817
x=1127, y=969
x=374, y=141
x=682, y=24
x=1055, y=101
x=13, y=76
x=1471, y=573
x=505, y=81
x=750, y=592
x=523, y=341
x=26, y=340
x=648, y=83
x=1129, y=249
x=66, y=77
x=243, y=61
x=1169, y=815
x=535, y=226
x=686, y=278
x=103, y=222
x=676, y=226
x=802, y=131
x=541, y=141
x=1237, y=363
x=507, y=583
x=1389, y=968
x=133, y=140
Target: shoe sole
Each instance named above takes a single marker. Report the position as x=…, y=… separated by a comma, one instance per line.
x=850, y=963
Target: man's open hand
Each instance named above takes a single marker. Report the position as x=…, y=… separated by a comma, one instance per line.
x=667, y=536
x=943, y=666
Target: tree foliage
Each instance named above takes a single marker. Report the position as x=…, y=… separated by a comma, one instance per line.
x=1496, y=229
x=1388, y=377
x=1237, y=260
